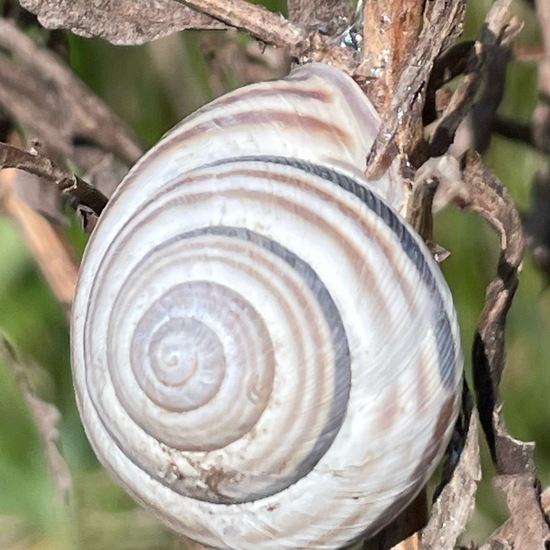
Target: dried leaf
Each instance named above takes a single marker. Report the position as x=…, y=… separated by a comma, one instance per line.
x=120, y=21
x=527, y=528
x=489, y=198
x=455, y=502
x=133, y=22
x=513, y=459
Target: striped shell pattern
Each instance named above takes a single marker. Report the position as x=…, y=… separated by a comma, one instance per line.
x=264, y=352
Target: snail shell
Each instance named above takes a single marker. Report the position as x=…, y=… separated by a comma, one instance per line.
x=264, y=352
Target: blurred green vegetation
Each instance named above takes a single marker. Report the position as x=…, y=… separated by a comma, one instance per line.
x=151, y=87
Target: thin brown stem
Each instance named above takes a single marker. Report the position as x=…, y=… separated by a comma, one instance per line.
x=497, y=32
x=269, y=27
x=69, y=184
x=48, y=249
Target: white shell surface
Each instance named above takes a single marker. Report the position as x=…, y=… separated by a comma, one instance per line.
x=264, y=353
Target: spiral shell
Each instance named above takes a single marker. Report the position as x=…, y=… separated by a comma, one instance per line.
x=264, y=352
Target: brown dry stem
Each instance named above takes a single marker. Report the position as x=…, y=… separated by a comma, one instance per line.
x=498, y=30
x=390, y=31
x=50, y=251
x=84, y=195
x=258, y=21
x=455, y=496
x=399, y=130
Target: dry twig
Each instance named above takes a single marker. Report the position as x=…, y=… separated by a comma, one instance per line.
x=455, y=500
x=258, y=21
x=50, y=251
x=399, y=130
x=497, y=32
x=84, y=195
x=390, y=31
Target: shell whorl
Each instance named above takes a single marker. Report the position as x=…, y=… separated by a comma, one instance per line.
x=264, y=352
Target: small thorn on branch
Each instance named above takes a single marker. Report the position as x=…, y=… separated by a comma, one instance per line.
x=82, y=194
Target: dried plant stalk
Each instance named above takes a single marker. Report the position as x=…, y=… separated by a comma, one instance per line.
x=50, y=251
